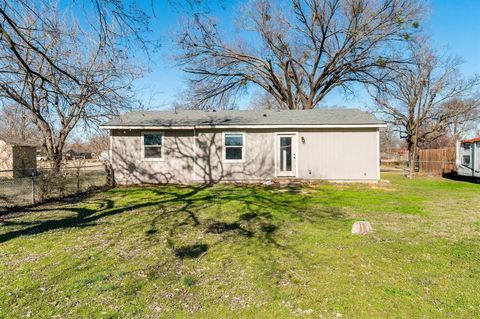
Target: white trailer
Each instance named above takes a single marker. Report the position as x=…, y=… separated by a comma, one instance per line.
x=468, y=157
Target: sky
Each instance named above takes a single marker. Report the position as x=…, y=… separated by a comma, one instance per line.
x=454, y=26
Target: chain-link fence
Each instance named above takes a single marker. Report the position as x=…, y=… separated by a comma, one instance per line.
x=31, y=186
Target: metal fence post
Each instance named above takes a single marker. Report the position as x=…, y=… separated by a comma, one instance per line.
x=33, y=186
x=78, y=180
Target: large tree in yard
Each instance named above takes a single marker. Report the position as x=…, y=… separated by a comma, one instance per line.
x=63, y=76
x=297, y=51
x=426, y=98
x=117, y=24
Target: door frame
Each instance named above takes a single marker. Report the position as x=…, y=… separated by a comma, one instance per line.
x=295, y=152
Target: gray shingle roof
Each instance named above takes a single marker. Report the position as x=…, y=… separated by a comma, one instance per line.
x=245, y=117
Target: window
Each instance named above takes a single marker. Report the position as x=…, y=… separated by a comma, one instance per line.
x=234, y=146
x=285, y=154
x=466, y=160
x=466, y=146
x=152, y=146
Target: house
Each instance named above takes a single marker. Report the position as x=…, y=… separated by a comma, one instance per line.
x=17, y=158
x=74, y=153
x=468, y=157
x=207, y=146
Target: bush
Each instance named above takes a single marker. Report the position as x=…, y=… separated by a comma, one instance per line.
x=51, y=184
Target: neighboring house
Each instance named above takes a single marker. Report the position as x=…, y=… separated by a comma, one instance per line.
x=17, y=158
x=468, y=157
x=208, y=146
x=71, y=154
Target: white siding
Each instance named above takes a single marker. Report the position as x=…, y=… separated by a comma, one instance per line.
x=339, y=154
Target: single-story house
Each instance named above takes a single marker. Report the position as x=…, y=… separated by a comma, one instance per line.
x=210, y=146
x=17, y=158
x=72, y=153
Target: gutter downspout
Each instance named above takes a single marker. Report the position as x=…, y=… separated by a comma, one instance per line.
x=194, y=152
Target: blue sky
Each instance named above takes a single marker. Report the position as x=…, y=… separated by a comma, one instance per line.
x=454, y=26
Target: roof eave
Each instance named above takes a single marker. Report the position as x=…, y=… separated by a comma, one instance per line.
x=240, y=126
x=471, y=140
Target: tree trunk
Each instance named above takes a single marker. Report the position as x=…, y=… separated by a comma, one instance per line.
x=411, y=156
x=57, y=161
x=413, y=159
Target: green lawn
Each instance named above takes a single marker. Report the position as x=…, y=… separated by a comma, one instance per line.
x=248, y=251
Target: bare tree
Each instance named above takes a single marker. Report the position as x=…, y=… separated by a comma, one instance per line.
x=79, y=82
x=99, y=143
x=16, y=122
x=117, y=25
x=263, y=101
x=299, y=52
x=95, y=142
x=464, y=122
x=188, y=98
x=388, y=140
x=425, y=98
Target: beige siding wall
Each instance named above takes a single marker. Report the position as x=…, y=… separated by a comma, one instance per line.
x=326, y=154
x=258, y=163
x=339, y=154
x=131, y=169
x=178, y=164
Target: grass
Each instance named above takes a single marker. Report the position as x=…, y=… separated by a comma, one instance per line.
x=248, y=251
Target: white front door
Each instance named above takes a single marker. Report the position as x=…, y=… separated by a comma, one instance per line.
x=286, y=154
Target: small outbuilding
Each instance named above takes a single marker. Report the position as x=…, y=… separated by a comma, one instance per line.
x=17, y=157
x=200, y=146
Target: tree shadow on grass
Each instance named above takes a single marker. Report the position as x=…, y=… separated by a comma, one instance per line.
x=80, y=220
x=190, y=251
x=223, y=227
x=263, y=210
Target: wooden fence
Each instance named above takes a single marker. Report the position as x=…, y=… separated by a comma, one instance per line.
x=437, y=161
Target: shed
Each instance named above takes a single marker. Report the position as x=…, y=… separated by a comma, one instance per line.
x=17, y=157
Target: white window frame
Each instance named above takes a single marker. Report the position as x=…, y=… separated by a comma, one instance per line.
x=296, y=149
x=224, y=151
x=153, y=159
